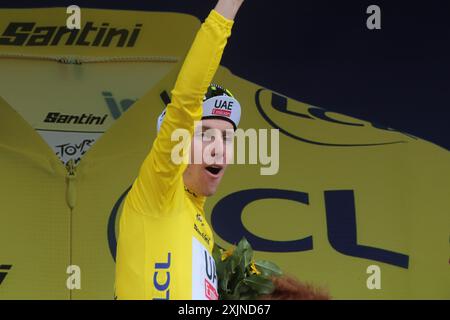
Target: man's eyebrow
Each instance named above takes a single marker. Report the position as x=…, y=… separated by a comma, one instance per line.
x=204, y=128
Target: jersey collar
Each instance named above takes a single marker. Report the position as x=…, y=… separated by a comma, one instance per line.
x=198, y=200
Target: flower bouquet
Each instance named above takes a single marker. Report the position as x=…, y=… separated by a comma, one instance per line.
x=240, y=276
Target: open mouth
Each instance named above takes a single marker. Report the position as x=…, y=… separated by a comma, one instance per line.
x=213, y=170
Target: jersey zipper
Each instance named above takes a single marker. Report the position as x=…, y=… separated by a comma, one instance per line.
x=71, y=199
x=71, y=192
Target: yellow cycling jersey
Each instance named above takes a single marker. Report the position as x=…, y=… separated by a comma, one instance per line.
x=165, y=243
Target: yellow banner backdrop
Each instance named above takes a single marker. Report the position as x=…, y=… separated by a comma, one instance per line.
x=356, y=207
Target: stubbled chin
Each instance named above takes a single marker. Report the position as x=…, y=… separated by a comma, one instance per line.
x=210, y=190
x=209, y=194
x=210, y=185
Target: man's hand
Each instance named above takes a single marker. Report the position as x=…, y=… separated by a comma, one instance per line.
x=228, y=8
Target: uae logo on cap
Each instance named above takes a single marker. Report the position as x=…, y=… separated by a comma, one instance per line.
x=222, y=108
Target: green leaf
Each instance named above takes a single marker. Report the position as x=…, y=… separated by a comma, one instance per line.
x=220, y=265
x=238, y=287
x=245, y=251
x=217, y=255
x=268, y=268
x=239, y=249
x=220, y=269
x=244, y=288
x=260, y=284
x=233, y=262
x=248, y=257
x=229, y=296
x=224, y=279
x=243, y=245
x=240, y=271
x=249, y=296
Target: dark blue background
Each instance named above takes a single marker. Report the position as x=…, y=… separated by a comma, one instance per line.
x=320, y=52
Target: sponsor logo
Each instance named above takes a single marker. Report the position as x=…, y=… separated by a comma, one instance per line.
x=223, y=104
x=88, y=119
x=104, y=35
x=210, y=291
x=69, y=145
x=202, y=234
x=73, y=150
x=4, y=269
x=162, y=286
x=199, y=218
x=211, y=277
x=219, y=112
x=339, y=206
x=189, y=191
x=318, y=126
x=116, y=108
x=204, y=276
x=222, y=108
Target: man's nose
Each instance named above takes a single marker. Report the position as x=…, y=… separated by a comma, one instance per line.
x=218, y=153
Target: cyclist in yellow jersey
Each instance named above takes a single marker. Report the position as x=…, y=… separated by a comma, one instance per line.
x=165, y=243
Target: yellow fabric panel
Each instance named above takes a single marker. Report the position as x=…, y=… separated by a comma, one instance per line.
x=34, y=241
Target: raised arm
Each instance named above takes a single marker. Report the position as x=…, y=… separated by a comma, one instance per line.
x=228, y=8
x=158, y=174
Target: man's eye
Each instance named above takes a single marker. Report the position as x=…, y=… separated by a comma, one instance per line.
x=207, y=136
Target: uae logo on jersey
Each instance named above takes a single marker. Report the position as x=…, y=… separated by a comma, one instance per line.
x=210, y=291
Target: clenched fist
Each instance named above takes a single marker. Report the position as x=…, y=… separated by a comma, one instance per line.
x=228, y=8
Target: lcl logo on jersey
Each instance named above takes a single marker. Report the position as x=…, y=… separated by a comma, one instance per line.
x=163, y=286
x=319, y=126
